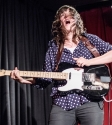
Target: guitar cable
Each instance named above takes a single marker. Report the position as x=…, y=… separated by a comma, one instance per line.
x=106, y=99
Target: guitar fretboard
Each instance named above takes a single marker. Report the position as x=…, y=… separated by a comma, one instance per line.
x=54, y=75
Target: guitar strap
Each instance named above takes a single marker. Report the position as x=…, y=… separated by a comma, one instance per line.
x=90, y=46
x=58, y=57
x=86, y=42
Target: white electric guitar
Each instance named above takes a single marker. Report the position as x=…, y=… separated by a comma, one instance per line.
x=94, y=80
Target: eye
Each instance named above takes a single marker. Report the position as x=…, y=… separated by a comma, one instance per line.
x=62, y=15
x=72, y=17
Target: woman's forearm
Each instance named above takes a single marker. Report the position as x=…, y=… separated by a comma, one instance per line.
x=27, y=80
x=106, y=58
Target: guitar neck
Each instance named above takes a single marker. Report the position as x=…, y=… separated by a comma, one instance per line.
x=54, y=75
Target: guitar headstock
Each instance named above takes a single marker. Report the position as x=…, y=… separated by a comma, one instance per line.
x=2, y=72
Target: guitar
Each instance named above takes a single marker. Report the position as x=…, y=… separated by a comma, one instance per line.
x=94, y=80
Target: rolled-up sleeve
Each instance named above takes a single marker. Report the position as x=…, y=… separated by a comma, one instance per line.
x=101, y=45
x=48, y=66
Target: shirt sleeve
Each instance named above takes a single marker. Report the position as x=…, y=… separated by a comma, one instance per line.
x=101, y=45
x=42, y=83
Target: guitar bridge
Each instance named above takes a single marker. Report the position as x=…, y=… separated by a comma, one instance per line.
x=88, y=77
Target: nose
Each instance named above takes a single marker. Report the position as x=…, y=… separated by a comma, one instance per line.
x=66, y=16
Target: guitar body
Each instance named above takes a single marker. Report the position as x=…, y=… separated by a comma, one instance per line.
x=78, y=79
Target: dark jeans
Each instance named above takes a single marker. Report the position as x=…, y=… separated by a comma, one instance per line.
x=88, y=114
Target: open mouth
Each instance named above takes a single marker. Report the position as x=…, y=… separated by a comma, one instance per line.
x=67, y=22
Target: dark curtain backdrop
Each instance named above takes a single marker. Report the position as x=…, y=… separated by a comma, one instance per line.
x=25, y=29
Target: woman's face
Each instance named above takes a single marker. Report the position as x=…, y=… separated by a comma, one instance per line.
x=67, y=20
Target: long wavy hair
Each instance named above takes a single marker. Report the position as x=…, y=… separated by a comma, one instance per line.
x=58, y=32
